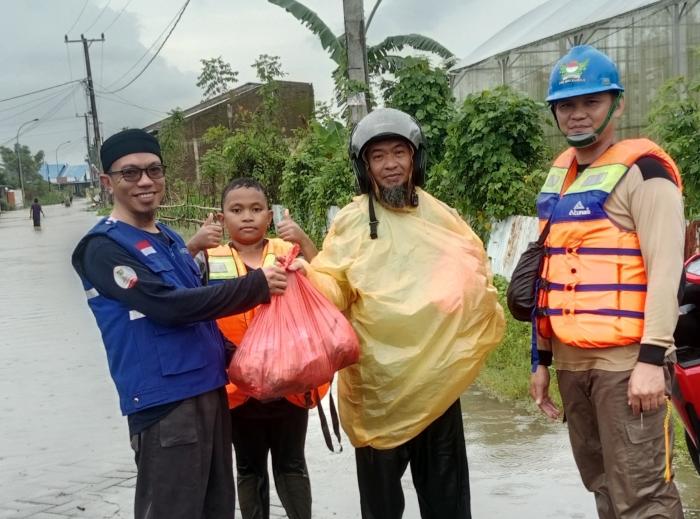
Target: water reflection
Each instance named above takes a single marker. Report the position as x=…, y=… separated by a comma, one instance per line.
x=521, y=465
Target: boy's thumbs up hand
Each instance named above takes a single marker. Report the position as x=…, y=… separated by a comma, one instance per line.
x=289, y=230
x=208, y=236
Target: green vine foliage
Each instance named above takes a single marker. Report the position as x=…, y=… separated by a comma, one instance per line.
x=216, y=78
x=495, y=158
x=317, y=175
x=674, y=122
x=254, y=150
x=257, y=147
x=172, y=142
x=424, y=92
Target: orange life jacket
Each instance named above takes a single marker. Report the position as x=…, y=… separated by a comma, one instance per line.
x=224, y=262
x=593, y=280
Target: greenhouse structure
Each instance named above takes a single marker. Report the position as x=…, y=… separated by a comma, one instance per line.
x=651, y=41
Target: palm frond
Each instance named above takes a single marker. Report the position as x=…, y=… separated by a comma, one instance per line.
x=371, y=15
x=310, y=19
x=385, y=64
x=415, y=41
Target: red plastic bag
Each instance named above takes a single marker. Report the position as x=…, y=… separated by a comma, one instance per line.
x=294, y=344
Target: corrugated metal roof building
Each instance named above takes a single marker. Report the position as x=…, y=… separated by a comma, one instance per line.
x=651, y=41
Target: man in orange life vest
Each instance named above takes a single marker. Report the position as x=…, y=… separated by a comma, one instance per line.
x=607, y=302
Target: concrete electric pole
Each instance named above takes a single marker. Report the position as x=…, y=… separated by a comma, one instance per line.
x=91, y=89
x=355, y=44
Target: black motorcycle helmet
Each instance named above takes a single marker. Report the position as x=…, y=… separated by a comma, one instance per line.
x=381, y=124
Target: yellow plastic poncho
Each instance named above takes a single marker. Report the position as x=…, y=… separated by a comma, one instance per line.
x=421, y=300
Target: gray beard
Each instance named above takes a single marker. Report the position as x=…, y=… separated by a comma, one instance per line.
x=396, y=196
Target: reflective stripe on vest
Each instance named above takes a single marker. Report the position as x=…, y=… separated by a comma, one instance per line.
x=224, y=266
x=593, y=286
x=151, y=363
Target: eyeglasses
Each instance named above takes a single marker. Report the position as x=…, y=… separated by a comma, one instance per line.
x=134, y=174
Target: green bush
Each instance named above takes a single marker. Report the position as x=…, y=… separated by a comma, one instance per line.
x=495, y=158
x=317, y=175
x=674, y=122
x=506, y=373
x=423, y=92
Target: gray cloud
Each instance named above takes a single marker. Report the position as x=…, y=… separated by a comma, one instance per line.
x=239, y=30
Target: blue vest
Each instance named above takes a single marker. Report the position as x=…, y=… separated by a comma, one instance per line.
x=152, y=364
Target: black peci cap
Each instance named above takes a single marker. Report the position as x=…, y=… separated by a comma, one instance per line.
x=127, y=142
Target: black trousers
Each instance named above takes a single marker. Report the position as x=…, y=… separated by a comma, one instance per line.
x=438, y=459
x=184, y=462
x=278, y=428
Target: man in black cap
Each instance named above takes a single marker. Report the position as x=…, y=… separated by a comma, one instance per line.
x=165, y=352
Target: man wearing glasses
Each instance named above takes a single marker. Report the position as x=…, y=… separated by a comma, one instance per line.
x=165, y=353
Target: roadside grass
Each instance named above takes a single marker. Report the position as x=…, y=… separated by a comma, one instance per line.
x=506, y=373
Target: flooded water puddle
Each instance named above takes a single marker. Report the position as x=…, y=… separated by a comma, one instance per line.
x=521, y=465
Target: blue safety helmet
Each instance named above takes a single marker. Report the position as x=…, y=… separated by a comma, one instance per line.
x=584, y=70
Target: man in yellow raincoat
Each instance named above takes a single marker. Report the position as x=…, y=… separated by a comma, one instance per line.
x=413, y=279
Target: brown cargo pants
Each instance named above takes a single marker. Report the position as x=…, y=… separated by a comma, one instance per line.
x=621, y=457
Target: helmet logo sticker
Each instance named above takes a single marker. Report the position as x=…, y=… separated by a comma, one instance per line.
x=572, y=71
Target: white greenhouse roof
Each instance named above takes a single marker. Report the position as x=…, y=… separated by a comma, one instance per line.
x=551, y=18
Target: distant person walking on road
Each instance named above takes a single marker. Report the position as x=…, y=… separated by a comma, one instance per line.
x=35, y=213
x=165, y=353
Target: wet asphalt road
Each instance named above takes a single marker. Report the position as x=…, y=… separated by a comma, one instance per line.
x=64, y=448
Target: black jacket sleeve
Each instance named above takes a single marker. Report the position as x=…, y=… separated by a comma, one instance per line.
x=160, y=301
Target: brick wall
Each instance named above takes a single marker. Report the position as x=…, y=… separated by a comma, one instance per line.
x=297, y=101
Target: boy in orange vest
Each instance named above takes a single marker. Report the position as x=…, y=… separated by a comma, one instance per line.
x=279, y=426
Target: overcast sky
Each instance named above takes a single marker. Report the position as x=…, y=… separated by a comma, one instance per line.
x=33, y=54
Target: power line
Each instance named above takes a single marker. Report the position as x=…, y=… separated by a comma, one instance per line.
x=44, y=118
x=51, y=111
x=182, y=11
x=118, y=15
x=37, y=105
x=98, y=16
x=78, y=18
x=128, y=103
x=34, y=102
x=155, y=42
x=70, y=72
x=67, y=133
x=40, y=90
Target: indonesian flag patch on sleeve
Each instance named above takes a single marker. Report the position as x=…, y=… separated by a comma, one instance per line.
x=145, y=247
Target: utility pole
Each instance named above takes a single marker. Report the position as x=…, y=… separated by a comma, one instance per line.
x=87, y=134
x=90, y=87
x=89, y=155
x=355, y=44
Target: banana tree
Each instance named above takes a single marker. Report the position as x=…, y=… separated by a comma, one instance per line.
x=381, y=58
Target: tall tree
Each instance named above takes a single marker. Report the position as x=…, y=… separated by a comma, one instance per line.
x=382, y=57
x=30, y=165
x=216, y=77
